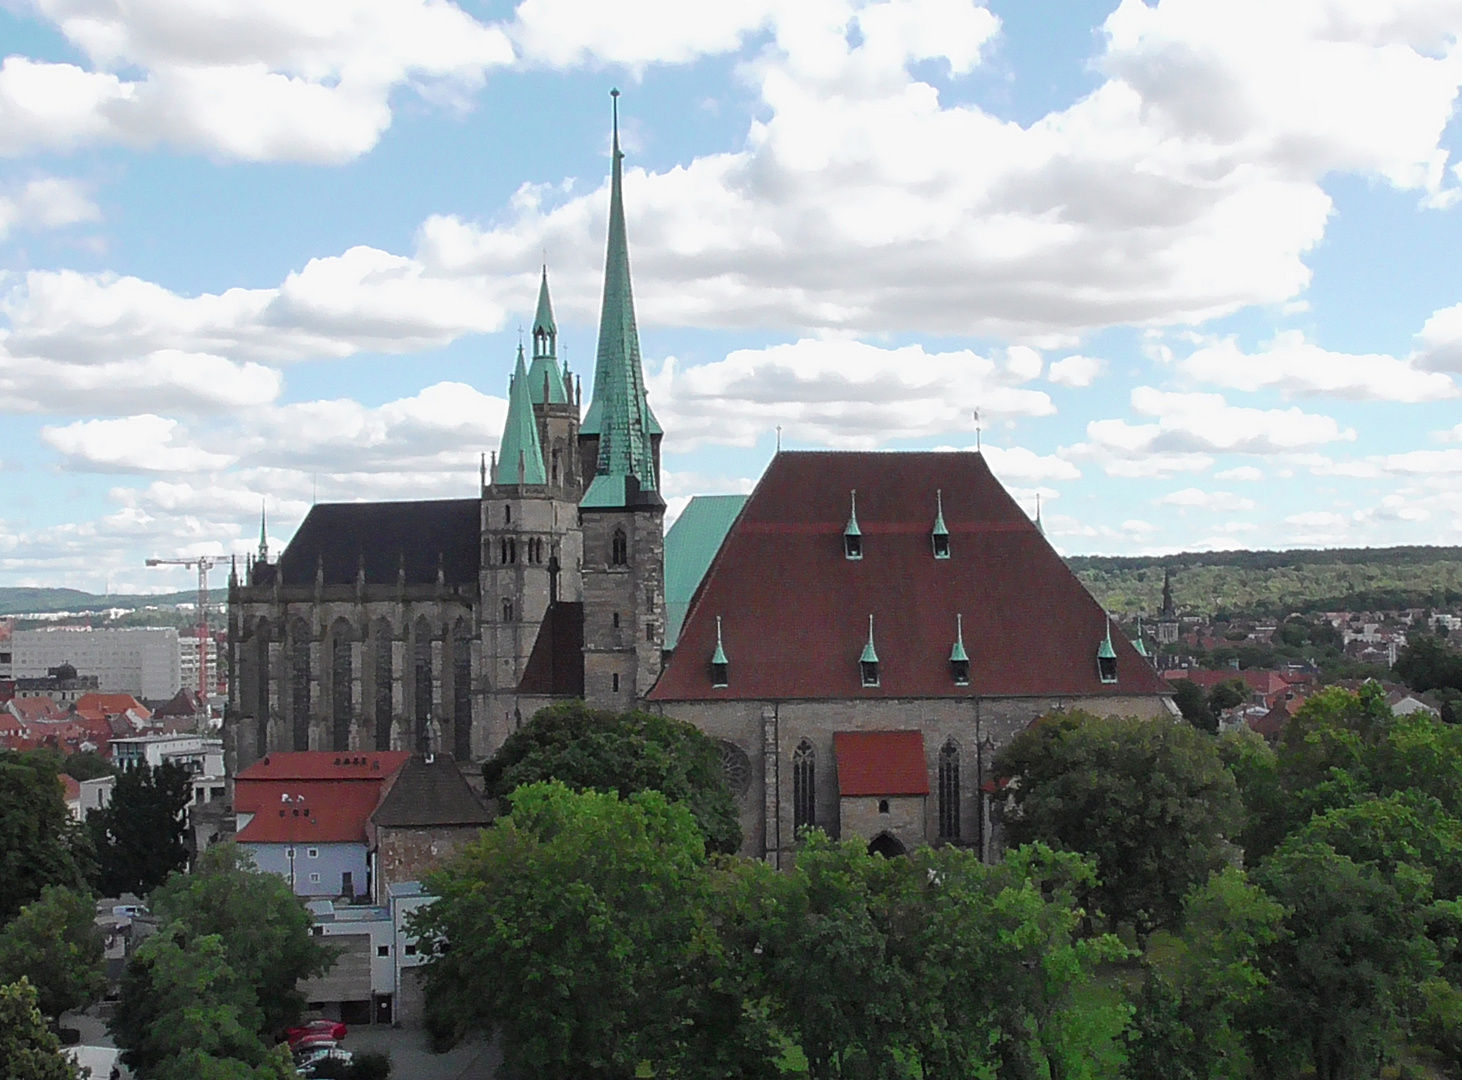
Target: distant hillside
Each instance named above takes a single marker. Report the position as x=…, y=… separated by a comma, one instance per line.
x=16, y=601
x=1275, y=583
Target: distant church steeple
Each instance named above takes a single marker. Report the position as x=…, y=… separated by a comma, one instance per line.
x=263, y=535
x=619, y=414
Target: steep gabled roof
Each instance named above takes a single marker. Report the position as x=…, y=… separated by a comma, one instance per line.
x=388, y=536
x=305, y=811
x=881, y=763
x=429, y=793
x=795, y=609
x=100, y=706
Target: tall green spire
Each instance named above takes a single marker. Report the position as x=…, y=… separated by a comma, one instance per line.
x=620, y=412
x=545, y=353
x=520, y=445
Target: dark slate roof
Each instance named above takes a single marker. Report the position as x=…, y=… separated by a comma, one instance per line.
x=556, y=664
x=429, y=793
x=795, y=612
x=425, y=534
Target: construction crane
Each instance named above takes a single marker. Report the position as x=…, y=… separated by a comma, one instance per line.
x=204, y=563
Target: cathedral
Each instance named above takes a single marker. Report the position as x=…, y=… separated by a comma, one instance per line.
x=860, y=635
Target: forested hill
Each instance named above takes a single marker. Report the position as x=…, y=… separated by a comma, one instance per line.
x=1275, y=583
x=17, y=601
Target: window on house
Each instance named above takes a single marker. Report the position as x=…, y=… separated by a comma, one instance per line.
x=960, y=670
x=616, y=620
x=507, y=609
x=507, y=515
x=615, y=680
x=941, y=545
x=804, y=786
x=720, y=674
x=870, y=672
x=383, y=950
x=462, y=693
x=314, y=879
x=410, y=950
x=1107, y=668
x=555, y=465
x=852, y=546
x=619, y=551
x=883, y=806
x=313, y=852
x=949, y=790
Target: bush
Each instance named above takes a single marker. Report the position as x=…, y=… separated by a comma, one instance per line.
x=370, y=1066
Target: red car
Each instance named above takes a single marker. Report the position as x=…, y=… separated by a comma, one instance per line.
x=314, y=1031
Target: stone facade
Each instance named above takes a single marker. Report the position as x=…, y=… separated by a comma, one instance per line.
x=409, y=854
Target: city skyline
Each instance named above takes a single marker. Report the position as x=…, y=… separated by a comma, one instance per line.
x=1189, y=262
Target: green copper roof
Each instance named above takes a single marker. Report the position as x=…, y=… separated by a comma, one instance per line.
x=544, y=369
x=1105, y=650
x=1137, y=643
x=939, y=526
x=958, y=652
x=690, y=546
x=620, y=411
x=520, y=435
x=869, y=655
x=719, y=656
x=852, y=527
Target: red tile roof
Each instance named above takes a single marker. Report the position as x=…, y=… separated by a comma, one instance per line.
x=881, y=763
x=326, y=765
x=31, y=709
x=794, y=611
x=305, y=811
x=100, y=706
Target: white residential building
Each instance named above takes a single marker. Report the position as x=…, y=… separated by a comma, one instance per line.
x=141, y=661
x=200, y=757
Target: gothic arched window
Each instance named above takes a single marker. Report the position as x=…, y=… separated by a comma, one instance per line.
x=342, y=701
x=949, y=791
x=299, y=683
x=383, y=685
x=261, y=686
x=804, y=785
x=619, y=553
x=462, y=691
x=423, y=682
x=507, y=609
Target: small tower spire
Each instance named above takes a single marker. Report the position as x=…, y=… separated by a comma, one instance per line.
x=521, y=457
x=720, y=665
x=1039, y=527
x=959, y=660
x=939, y=537
x=263, y=534
x=545, y=381
x=868, y=662
x=852, y=535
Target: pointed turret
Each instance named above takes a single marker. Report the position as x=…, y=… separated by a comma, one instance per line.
x=263, y=535
x=545, y=381
x=521, y=455
x=619, y=414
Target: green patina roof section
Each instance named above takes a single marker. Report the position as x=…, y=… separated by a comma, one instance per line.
x=690, y=547
x=545, y=354
x=1105, y=650
x=852, y=527
x=869, y=655
x=620, y=410
x=1140, y=646
x=719, y=656
x=520, y=435
x=939, y=526
x=958, y=652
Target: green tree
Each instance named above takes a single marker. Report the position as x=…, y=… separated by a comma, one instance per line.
x=1188, y=697
x=1427, y=664
x=55, y=945
x=139, y=835
x=1345, y=971
x=596, y=750
x=265, y=928
x=1148, y=800
x=571, y=925
x=40, y=843
x=1228, y=694
x=87, y=765
x=184, y=1012
x=29, y=1050
x=1255, y=768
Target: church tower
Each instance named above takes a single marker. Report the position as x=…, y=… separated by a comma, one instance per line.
x=550, y=387
x=621, y=511
x=530, y=547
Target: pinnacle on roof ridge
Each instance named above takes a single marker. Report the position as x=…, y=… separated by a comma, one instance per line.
x=719, y=656
x=520, y=457
x=870, y=655
x=958, y=653
x=545, y=381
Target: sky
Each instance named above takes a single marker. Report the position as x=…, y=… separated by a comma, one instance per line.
x=1193, y=263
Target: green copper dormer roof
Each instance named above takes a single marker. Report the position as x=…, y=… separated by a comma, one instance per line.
x=939, y=527
x=544, y=369
x=870, y=655
x=1141, y=648
x=620, y=410
x=958, y=654
x=852, y=526
x=1105, y=650
x=719, y=656
x=520, y=435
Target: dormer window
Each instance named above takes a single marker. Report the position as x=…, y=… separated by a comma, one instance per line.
x=619, y=548
x=852, y=535
x=959, y=661
x=1107, y=658
x=868, y=662
x=939, y=537
x=720, y=665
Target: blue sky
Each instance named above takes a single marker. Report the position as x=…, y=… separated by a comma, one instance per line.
x=1195, y=263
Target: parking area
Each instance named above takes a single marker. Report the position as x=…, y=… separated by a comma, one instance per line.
x=412, y=1059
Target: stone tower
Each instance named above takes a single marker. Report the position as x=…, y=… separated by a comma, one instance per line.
x=550, y=388
x=621, y=512
x=530, y=548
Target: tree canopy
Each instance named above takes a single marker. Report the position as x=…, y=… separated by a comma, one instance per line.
x=29, y=1050
x=1149, y=800
x=596, y=750
x=54, y=944
x=40, y=843
x=139, y=835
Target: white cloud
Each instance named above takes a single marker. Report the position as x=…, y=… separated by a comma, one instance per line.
x=1198, y=499
x=143, y=443
x=47, y=203
x=166, y=379
x=1019, y=465
x=1292, y=365
x=1441, y=340
x=1077, y=372
x=1243, y=474
x=831, y=392
x=260, y=80
x=570, y=33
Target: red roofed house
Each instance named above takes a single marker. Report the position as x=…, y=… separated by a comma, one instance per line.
x=872, y=615
x=30, y=710
x=305, y=816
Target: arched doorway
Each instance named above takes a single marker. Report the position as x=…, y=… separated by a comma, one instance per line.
x=885, y=845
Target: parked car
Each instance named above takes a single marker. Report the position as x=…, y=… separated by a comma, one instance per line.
x=307, y=1064
x=332, y=1030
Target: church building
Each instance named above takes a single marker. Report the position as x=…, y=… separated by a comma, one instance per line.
x=861, y=635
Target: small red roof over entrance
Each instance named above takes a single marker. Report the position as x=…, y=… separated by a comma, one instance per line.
x=881, y=763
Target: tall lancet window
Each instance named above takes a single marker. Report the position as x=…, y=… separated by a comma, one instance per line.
x=949, y=791
x=804, y=785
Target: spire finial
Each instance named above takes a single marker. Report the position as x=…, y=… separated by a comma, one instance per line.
x=614, y=99
x=263, y=534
